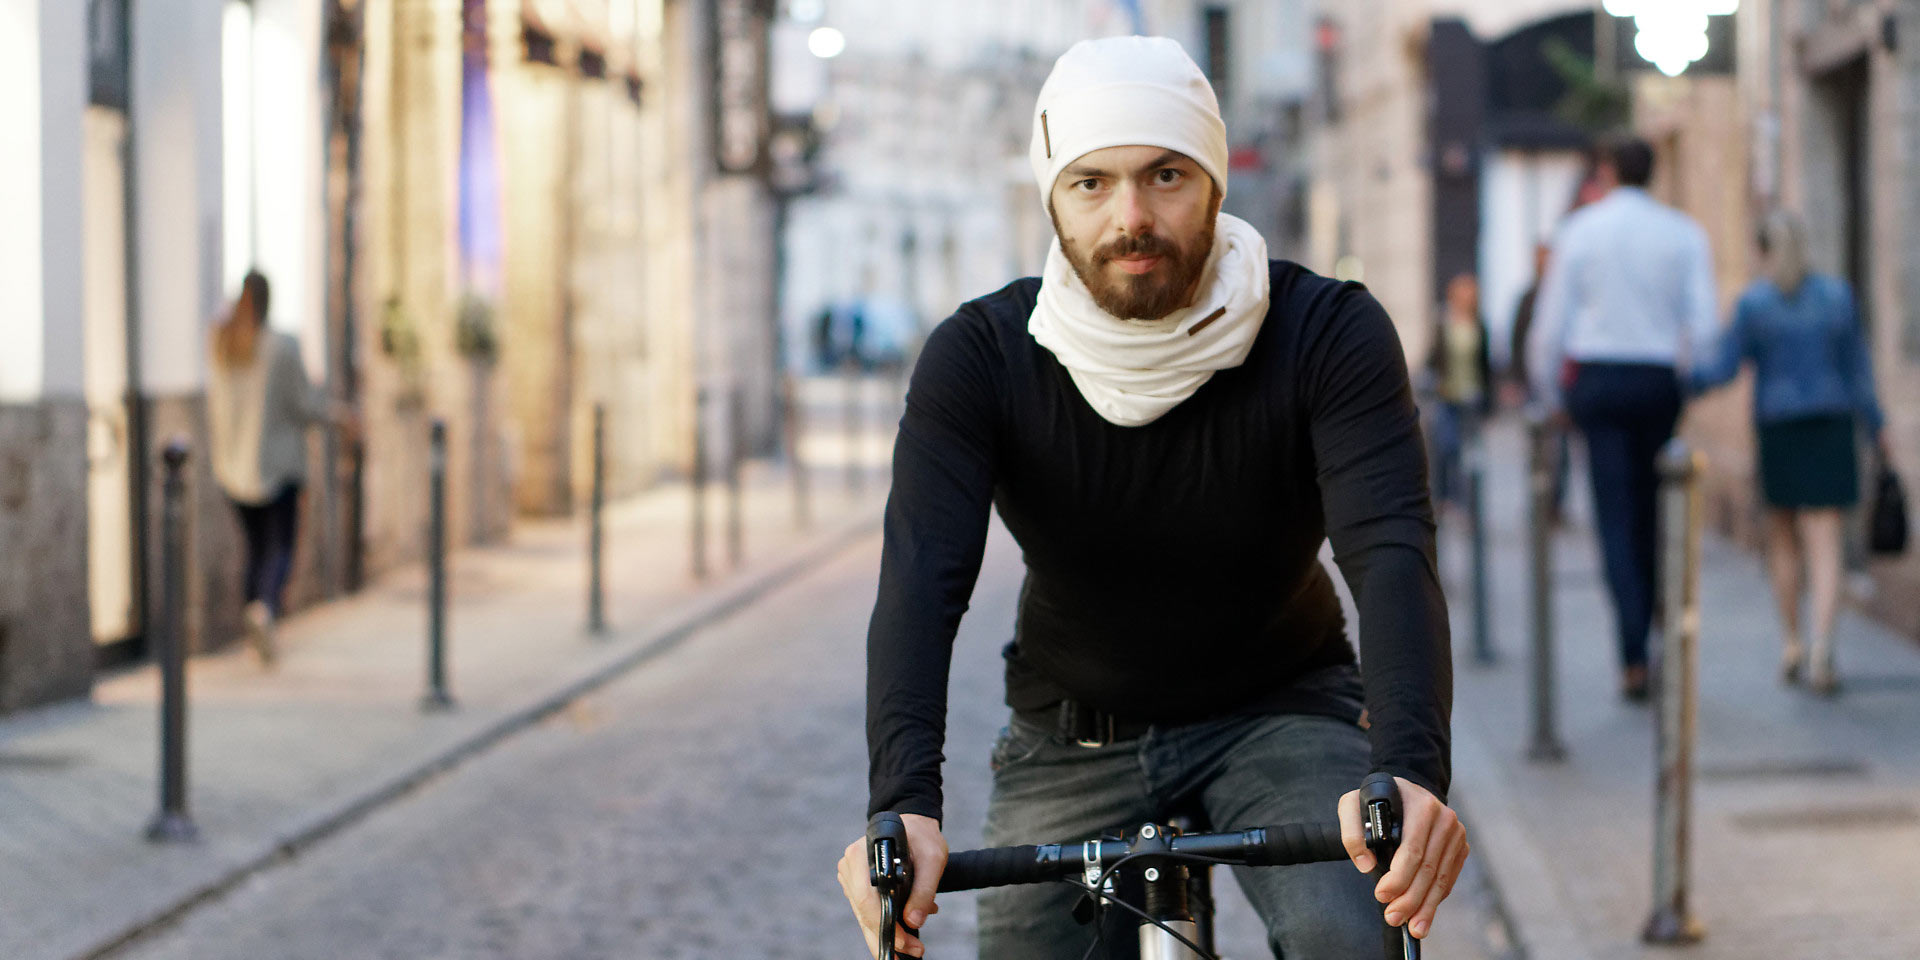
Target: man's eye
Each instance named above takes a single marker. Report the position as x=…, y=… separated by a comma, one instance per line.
x=1170, y=175
x=1088, y=185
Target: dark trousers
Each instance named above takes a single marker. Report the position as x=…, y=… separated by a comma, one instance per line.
x=1238, y=771
x=271, y=528
x=1627, y=411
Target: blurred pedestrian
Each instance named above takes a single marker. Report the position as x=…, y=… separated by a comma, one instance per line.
x=1627, y=294
x=1812, y=391
x=1462, y=383
x=259, y=406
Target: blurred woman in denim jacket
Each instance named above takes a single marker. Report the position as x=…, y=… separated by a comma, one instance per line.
x=1812, y=390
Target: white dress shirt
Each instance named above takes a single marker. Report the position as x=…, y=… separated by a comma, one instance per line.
x=1629, y=281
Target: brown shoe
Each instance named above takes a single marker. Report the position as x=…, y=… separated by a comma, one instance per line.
x=1823, y=680
x=260, y=632
x=1634, y=685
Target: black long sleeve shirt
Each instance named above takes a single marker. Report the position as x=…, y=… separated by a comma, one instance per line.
x=1172, y=568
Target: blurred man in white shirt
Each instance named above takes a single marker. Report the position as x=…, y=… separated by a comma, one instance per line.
x=1628, y=298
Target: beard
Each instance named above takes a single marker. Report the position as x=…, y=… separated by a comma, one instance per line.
x=1149, y=296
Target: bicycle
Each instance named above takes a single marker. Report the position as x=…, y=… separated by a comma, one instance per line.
x=1177, y=901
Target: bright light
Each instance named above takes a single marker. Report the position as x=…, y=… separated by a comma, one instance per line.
x=826, y=42
x=237, y=141
x=1672, y=33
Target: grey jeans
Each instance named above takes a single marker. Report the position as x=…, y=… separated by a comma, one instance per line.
x=1241, y=771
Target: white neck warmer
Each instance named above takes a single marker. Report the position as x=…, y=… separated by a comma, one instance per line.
x=1133, y=371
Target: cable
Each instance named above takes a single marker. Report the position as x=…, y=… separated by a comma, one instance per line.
x=1099, y=934
x=1142, y=914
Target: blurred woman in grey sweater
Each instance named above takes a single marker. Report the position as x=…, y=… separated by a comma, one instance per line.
x=260, y=406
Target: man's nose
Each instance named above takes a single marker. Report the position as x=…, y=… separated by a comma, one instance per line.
x=1131, y=213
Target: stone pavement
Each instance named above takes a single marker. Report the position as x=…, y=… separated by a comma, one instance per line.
x=280, y=759
x=1806, y=821
x=692, y=809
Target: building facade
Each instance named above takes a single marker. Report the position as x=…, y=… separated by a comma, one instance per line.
x=499, y=214
x=1808, y=104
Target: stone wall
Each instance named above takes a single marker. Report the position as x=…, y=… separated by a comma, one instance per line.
x=46, y=644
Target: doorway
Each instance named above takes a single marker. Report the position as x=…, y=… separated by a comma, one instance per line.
x=116, y=475
x=1839, y=209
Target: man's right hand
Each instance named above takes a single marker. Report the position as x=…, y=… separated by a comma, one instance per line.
x=928, y=849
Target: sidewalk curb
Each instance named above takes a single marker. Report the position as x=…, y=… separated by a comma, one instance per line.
x=649, y=642
x=1526, y=894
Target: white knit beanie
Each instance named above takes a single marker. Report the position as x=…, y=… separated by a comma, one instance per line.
x=1126, y=91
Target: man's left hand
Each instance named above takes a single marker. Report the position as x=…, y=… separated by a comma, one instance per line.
x=1433, y=848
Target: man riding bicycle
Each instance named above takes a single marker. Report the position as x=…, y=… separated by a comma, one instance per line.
x=1170, y=424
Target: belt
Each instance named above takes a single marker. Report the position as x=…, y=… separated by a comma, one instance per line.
x=1086, y=726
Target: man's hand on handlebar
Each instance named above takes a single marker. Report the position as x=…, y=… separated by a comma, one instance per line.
x=928, y=850
x=1433, y=848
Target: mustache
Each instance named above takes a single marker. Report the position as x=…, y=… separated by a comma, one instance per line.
x=1144, y=245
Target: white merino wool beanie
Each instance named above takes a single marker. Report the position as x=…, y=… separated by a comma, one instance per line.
x=1126, y=91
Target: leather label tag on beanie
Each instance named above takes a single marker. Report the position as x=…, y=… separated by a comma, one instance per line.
x=1046, y=136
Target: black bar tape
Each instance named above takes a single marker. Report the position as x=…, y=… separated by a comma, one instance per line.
x=1004, y=866
x=1292, y=843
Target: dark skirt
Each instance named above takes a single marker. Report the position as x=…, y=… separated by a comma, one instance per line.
x=1809, y=462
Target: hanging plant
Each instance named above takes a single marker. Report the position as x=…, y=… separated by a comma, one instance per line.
x=400, y=342
x=1591, y=103
x=474, y=334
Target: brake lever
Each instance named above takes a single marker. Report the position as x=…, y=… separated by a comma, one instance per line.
x=890, y=869
x=1380, y=802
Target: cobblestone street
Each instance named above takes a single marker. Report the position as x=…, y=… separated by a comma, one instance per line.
x=691, y=810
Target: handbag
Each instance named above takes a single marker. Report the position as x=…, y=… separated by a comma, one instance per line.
x=1887, y=525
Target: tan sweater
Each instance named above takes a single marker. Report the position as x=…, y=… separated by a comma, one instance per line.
x=259, y=413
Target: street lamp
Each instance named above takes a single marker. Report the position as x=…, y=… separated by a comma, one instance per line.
x=1672, y=34
x=826, y=42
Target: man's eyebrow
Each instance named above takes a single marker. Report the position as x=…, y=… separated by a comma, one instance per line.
x=1167, y=158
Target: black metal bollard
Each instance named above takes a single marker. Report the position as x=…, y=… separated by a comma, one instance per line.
x=1672, y=921
x=172, y=824
x=736, y=451
x=596, y=527
x=700, y=485
x=791, y=424
x=1477, y=520
x=1545, y=745
x=436, y=697
x=856, y=476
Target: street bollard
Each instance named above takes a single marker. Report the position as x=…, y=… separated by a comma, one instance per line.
x=1476, y=457
x=596, y=527
x=1545, y=746
x=1675, y=670
x=436, y=697
x=791, y=424
x=736, y=451
x=856, y=478
x=172, y=824
x=700, y=485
